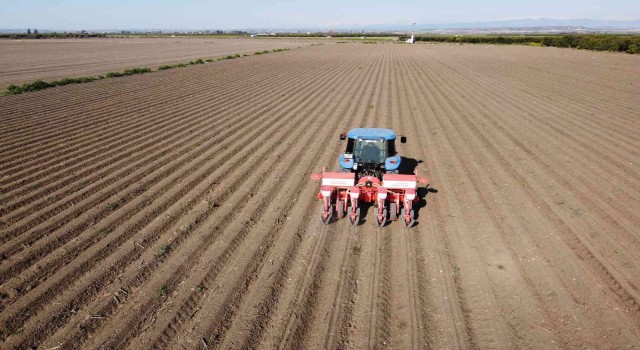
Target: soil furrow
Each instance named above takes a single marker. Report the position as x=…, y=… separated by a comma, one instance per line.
x=138, y=279
x=40, y=218
x=91, y=117
x=59, y=58
x=558, y=177
x=417, y=292
x=558, y=108
x=175, y=209
x=505, y=263
x=603, y=203
x=89, y=91
x=256, y=329
x=625, y=197
x=581, y=248
x=58, y=241
x=134, y=228
x=379, y=333
x=218, y=330
x=498, y=217
x=191, y=302
x=196, y=102
x=296, y=334
x=337, y=294
x=312, y=264
x=212, y=167
x=516, y=76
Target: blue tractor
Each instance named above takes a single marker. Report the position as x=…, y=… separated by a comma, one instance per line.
x=369, y=173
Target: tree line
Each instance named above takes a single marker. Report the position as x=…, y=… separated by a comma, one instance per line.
x=598, y=42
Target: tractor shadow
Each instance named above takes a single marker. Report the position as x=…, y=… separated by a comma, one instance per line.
x=422, y=193
x=408, y=166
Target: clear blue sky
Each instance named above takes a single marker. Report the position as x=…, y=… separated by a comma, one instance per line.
x=176, y=14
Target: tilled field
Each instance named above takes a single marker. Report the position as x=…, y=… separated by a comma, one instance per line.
x=175, y=210
x=49, y=59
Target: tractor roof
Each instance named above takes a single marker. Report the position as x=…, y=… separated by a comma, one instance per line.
x=371, y=134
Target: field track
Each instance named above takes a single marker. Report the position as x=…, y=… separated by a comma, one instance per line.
x=175, y=210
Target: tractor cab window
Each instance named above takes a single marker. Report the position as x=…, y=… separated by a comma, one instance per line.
x=370, y=151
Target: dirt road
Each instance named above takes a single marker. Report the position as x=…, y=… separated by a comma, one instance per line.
x=175, y=209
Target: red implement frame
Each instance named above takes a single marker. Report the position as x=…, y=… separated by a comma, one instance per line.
x=340, y=191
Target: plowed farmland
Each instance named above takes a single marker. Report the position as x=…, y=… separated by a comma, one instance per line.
x=28, y=60
x=175, y=209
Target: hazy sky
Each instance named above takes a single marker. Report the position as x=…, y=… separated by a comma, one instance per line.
x=175, y=14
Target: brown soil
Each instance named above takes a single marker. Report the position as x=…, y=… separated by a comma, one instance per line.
x=50, y=59
x=175, y=210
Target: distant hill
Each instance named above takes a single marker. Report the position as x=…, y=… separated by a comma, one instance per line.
x=529, y=23
x=545, y=22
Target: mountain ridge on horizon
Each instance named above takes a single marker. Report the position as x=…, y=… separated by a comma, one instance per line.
x=527, y=23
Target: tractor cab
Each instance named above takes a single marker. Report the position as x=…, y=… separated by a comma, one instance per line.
x=370, y=152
